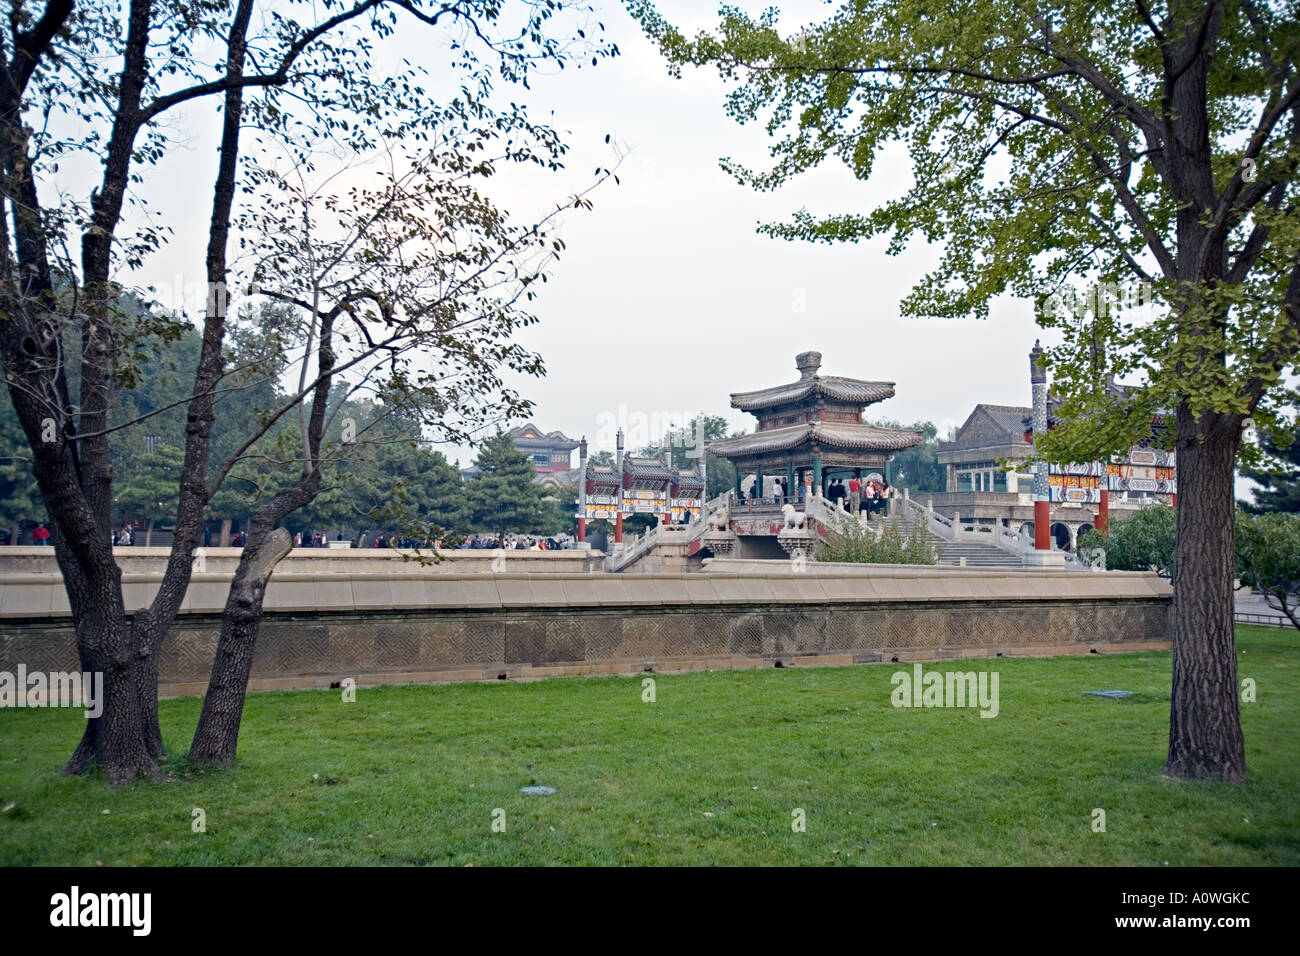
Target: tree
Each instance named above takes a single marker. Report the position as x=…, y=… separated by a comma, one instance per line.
x=504, y=496
x=1279, y=478
x=557, y=515
x=412, y=289
x=149, y=489
x=393, y=481
x=1268, y=559
x=1143, y=541
x=1151, y=143
x=720, y=474
x=20, y=498
x=297, y=81
x=917, y=468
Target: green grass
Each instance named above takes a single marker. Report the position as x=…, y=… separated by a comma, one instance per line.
x=411, y=775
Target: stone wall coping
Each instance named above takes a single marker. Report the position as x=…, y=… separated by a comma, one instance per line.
x=37, y=551
x=42, y=595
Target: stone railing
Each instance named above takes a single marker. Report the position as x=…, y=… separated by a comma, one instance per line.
x=642, y=545
x=1009, y=540
x=937, y=523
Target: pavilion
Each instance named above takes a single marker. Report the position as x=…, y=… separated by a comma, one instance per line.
x=813, y=429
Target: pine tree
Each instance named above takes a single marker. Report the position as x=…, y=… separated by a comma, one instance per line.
x=149, y=490
x=504, y=496
x=20, y=497
x=1280, y=489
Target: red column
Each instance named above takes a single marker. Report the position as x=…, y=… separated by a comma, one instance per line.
x=582, y=529
x=618, y=526
x=1043, y=525
x=1103, y=510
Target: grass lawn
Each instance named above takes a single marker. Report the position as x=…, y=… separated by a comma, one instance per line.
x=710, y=773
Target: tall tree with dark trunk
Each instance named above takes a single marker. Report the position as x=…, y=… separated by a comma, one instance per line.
x=411, y=290
x=61, y=323
x=1145, y=143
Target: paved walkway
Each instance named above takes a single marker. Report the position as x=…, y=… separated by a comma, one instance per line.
x=1251, y=608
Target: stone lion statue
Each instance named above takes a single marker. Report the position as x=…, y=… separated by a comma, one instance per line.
x=718, y=520
x=795, y=520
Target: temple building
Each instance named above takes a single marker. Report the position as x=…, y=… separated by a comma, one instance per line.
x=811, y=431
x=990, y=435
x=551, y=454
x=989, y=479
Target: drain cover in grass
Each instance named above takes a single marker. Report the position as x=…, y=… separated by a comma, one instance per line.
x=541, y=791
x=1112, y=694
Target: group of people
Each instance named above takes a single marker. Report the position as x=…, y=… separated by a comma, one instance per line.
x=381, y=539
x=366, y=539
x=868, y=496
x=518, y=542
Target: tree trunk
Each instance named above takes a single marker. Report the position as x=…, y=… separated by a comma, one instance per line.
x=1205, y=739
x=265, y=544
x=148, y=534
x=148, y=632
x=116, y=740
x=217, y=734
x=225, y=533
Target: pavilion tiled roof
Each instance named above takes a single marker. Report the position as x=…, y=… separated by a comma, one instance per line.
x=830, y=434
x=840, y=389
x=646, y=467
x=689, y=479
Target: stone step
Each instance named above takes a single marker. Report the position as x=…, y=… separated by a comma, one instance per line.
x=976, y=555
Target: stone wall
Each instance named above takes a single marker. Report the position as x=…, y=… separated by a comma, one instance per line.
x=428, y=627
x=139, y=560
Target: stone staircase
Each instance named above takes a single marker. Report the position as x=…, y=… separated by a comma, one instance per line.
x=976, y=555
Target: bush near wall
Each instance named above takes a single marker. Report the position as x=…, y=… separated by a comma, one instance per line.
x=892, y=540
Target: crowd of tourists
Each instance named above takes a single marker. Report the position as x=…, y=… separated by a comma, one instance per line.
x=382, y=539
x=854, y=495
x=519, y=542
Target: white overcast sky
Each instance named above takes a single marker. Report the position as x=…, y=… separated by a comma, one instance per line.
x=667, y=298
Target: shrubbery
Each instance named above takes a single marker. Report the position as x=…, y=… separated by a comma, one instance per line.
x=1267, y=551
x=891, y=540
x=1141, y=542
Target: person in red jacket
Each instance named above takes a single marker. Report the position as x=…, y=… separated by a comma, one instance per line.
x=41, y=535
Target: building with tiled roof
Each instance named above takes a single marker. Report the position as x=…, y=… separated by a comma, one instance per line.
x=550, y=451
x=812, y=429
x=989, y=481
x=551, y=454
